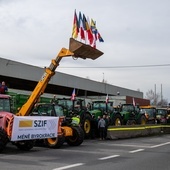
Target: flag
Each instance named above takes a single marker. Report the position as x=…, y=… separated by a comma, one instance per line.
x=88, y=29
x=107, y=98
x=94, y=32
x=99, y=37
x=73, y=96
x=75, y=30
x=134, y=104
x=81, y=28
x=93, y=28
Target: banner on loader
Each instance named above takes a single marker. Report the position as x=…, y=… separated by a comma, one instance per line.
x=34, y=127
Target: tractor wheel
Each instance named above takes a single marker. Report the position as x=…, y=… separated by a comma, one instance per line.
x=142, y=120
x=25, y=145
x=54, y=142
x=3, y=139
x=131, y=122
x=77, y=138
x=87, y=125
x=117, y=120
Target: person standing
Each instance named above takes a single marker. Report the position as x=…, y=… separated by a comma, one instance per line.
x=3, y=88
x=106, y=118
x=101, y=127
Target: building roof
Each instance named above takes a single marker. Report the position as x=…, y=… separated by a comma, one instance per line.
x=25, y=77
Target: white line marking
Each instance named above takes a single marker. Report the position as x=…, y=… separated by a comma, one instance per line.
x=155, y=146
x=81, y=151
x=129, y=145
x=134, y=151
x=69, y=166
x=109, y=157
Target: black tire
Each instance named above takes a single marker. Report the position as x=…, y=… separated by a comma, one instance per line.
x=77, y=138
x=25, y=145
x=117, y=120
x=54, y=142
x=131, y=122
x=86, y=126
x=3, y=139
x=40, y=142
x=142, y=120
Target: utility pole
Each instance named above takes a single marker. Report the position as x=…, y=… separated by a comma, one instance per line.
x=103, y=78
x=155, y=96
x=161, y=94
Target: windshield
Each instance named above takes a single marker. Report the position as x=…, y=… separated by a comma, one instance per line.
x=161, y=112
x=66, y=103
x=102, y=105
x=127, y=108
x=49, y=110
x=59, y=110
x=149, y=111
x=5, y=105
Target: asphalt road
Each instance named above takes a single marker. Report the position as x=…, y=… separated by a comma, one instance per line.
x=144, y=153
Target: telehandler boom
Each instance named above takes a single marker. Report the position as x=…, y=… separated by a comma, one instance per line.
x=42, y=84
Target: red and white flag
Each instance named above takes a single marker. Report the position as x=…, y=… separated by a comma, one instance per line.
x=107, y=98
x=134, y=104
x=73, y=96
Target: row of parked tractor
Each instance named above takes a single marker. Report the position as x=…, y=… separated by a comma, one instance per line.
x=79, y=120
x=123, y=114
x=89, y=113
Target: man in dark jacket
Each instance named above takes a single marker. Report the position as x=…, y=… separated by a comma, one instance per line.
x=101, y=127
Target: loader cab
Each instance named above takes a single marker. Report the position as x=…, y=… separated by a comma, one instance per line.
x=48, y=110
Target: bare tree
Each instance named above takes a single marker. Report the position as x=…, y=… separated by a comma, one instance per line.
x=163, y=102
x=156, y=99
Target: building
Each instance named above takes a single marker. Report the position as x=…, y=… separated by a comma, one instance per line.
x=25, y=77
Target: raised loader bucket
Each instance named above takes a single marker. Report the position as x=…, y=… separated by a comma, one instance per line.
x=83, y=51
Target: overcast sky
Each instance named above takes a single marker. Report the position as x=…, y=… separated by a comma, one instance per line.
x=135, y=33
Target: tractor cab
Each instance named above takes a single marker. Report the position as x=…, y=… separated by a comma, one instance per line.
x=47, y=109
x=5, y=103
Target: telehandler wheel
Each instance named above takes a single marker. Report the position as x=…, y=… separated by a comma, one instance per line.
x=87, y=125
x=3, y=139
x=25, y=145
x=54, y=142
x=77, y=138
x=117, y=120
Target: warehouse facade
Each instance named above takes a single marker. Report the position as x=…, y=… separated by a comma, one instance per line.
x=25, y=77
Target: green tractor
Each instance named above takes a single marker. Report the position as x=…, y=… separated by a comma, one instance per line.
x=78, y=108
x=132, y=115
x=125, y=114
x=100, y=108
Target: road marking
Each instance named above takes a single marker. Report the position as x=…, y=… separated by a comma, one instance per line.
x=109, y=157
x=155, y=146
x=69, y=166
x=129, y=145
x=134, y=151
x=81, y=151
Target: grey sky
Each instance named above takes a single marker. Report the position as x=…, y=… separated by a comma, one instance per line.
x=136, y=32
